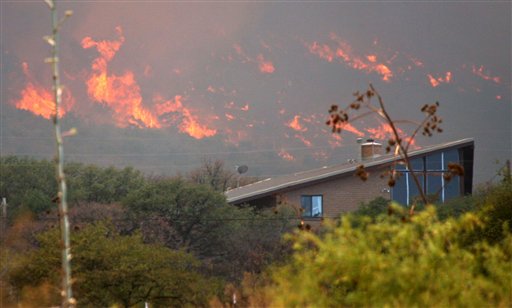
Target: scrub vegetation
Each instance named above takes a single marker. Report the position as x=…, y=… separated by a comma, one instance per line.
x=173, y=242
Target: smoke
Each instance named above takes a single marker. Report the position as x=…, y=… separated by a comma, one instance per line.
x=251, y=77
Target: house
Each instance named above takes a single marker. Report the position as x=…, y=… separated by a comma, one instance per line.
x=330, y=191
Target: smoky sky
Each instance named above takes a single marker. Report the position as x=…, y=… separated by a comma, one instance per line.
x=263, y=75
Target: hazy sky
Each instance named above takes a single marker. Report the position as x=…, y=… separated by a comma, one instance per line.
x=251, y=76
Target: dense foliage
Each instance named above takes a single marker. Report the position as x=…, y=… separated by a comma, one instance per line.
x=30, y=185
x=424, y=261
x=176, y=242
x=194, y=217
x=112, y=269
x=165, y=214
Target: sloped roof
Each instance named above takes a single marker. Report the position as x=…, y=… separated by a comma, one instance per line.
x=273, y=185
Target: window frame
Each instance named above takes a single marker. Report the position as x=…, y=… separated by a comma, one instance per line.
x=310, y=197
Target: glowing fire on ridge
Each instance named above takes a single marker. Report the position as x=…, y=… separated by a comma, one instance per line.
x=265, y=66
x=40, y=101
x=285, y=155
x=480, y=73
x=295, y=124
x=344, y=53
x=121, y=93
x=385, y=132
x=189, y=124
x=434, y=82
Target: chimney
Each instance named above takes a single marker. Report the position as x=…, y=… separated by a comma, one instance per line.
x=370, y=149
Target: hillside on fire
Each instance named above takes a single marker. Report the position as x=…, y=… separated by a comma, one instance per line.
x=197, y=81
x=255, y=154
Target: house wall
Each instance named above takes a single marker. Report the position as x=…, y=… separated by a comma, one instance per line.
x=343, y=194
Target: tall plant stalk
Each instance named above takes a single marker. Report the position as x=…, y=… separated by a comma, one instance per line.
x=53, y=40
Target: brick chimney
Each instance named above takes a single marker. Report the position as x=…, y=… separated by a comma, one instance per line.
x=370, y=149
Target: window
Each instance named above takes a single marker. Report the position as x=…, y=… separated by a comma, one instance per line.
x=452, y=188
x=429, y=170
x=311, y=205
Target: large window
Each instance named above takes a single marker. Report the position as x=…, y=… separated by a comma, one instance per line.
x=429, y=170
x=311, y=205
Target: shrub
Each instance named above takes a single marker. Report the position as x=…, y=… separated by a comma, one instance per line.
x=421, y=262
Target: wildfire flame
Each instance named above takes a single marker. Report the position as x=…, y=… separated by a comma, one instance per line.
x=121, y=94
x=265, y=66
x=480, y=72
x=40, y=101
x=349, y=128
x=434, y=82
x=345, y=55
x=285, y=155
x=295, y=124
x=384, y=132
x=189, y=124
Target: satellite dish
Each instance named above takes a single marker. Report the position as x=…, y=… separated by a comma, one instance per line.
x=242, y=169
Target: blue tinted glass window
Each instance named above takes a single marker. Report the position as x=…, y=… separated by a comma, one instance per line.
x=434, y=175
x=451, y=188
x=413, y=188
x=399, y=191
x=417, y=164
x=434, y=161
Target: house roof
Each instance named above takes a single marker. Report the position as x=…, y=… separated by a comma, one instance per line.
x=270, y=186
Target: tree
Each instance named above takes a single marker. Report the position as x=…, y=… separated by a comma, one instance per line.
x=113, y=269
x=101, y=185
x=213, y=174
x=228, y=239
x=27, y=184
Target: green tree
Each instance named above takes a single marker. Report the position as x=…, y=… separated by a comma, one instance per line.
x=113, y=269
x=495, y=209
x=228, y=239
x=101, y=185
x=422, y=262
x=373, y=208
x=27, y=184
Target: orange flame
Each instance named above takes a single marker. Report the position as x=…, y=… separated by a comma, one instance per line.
x=120, y=93
x=434, y=82
x=189, y=124
x=323, y=51
x=285, y=155
x=486, y=76
x=372, y=58
x=350, y=128
x=265, y=66
x=294, y=124
x=40, y=101
x=384, y=132
x=344, y=53
x=304, y=140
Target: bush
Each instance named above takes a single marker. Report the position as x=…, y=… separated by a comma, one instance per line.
x=111, y=269
x=422, y=262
